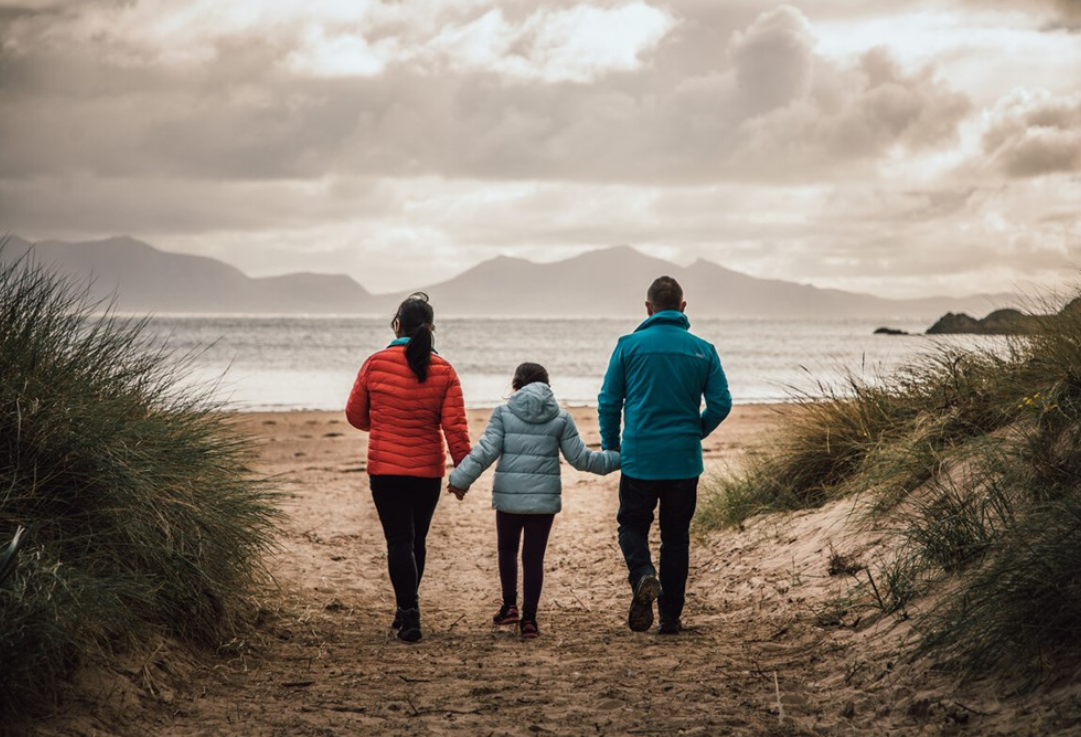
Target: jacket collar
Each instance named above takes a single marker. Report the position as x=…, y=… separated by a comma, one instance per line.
x=404, y=340
x=666, y=317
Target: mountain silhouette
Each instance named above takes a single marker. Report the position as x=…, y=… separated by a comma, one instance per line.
x=613, y=281
x=145, y=279
x=604, y=282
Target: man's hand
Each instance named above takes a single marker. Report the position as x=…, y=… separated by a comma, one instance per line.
x=460, y=493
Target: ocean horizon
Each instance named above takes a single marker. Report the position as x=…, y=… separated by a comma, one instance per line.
x=271, y=363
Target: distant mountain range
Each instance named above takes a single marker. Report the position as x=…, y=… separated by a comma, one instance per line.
x=606, y=282
x=144, y=279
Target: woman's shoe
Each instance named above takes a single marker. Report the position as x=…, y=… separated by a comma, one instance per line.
x=528, y=629
x=507, y=614
x=397, y=623
x=410, y=629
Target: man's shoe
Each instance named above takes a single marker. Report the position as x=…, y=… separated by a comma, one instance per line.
x=410, y=629
x=670, y=627
x=507, y=614
x=640, y=617
x=528, y=629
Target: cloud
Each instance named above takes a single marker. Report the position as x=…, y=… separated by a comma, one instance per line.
x=577, y=44
x=544, y=94
x=1032, y=132
x=341, y=55
x=1066, y=10
x=339, y=136
x=70, y=206
x=773, y=60
x=813, y=112
x=880, y=236
x=1069, y=12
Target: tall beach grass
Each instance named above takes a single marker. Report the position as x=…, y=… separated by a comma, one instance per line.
x=142, y=512
x=973, y=457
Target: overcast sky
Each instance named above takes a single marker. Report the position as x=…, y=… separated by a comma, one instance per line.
x=904, y=148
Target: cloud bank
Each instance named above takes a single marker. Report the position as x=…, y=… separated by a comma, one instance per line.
x=348, y=137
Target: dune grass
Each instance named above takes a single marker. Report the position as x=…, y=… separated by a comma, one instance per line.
x=884, y=434
x=975, y=457
x=142, y=513
x=1021, y=610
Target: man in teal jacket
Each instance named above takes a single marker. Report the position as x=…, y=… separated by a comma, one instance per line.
x=656, y=381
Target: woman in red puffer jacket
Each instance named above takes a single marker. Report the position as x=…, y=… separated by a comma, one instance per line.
x=407, y=398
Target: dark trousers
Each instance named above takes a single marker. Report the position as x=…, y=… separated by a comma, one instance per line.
x=637, y=500
x=510, y=529
x=405, y=505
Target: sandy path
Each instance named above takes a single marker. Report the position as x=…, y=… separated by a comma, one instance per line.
x=330, y=665
x=768, y=651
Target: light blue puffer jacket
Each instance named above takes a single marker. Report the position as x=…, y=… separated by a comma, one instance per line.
x=526, y=434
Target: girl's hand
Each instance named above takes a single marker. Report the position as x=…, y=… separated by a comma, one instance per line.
x=460, y=493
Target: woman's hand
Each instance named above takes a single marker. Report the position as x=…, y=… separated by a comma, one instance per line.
x=460, y=493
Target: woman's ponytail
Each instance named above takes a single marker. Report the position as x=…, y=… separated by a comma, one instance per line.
x=419, y=352
x=415, y=317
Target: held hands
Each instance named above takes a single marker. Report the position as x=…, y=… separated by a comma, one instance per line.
x=460, y=493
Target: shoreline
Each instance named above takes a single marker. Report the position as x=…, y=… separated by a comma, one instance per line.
x=572, y=408
x=324, y=434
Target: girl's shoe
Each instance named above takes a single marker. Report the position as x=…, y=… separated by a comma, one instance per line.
x=410, y=630
x=670, y=627
x=528, y=629
x=508, y=614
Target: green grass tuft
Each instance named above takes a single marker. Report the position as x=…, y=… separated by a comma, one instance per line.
x=726, y=501
x=142, y=511
x=1021, y=611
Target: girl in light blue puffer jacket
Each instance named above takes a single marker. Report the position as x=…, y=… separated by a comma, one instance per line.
x=526, y=435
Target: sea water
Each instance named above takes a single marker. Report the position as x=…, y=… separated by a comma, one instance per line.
x=291, y=362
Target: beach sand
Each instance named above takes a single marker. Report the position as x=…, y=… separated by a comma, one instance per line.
x=587, y=674
x=768, y=650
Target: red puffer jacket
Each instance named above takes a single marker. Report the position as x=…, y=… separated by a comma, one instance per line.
x=404, y=416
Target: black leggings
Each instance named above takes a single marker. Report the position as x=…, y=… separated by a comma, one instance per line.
x=405, y=505
x=509, y=528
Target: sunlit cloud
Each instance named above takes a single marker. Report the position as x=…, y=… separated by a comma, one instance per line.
x=1032, y=132
x=575, y=43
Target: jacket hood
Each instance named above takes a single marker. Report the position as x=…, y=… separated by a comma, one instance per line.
x=534, y=403
x=666, y=317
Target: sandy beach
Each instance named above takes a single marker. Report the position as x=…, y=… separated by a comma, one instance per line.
x=760, y=657
x=587, y=673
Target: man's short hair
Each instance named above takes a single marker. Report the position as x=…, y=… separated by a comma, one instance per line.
x=665, y=293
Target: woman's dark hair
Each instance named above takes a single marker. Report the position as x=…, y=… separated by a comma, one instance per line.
x=415, y=317
x=529, y=373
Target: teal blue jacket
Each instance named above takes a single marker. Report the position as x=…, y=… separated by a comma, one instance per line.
x=655, y=383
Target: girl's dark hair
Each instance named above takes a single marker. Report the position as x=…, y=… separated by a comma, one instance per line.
x=529, y=373
x=415, y=317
